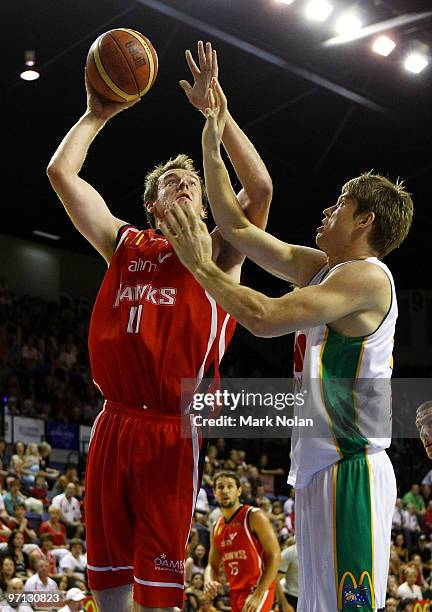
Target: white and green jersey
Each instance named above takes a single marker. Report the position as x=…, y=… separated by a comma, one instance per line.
x=346, y=387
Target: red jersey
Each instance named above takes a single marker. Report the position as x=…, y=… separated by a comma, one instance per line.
x=240, y=550
x=152, y=325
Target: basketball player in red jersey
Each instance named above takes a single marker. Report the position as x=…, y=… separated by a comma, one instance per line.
x=152, y=325
x=244, y=541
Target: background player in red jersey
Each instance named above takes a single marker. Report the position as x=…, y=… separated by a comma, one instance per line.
x=152, y=325
x=244, y=541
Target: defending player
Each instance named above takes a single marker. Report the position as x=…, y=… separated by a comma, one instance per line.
x=152, y=325
x=344, y=313
x=244, y=541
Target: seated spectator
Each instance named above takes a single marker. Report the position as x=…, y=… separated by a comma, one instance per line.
x=397, y=519
x=74, y=563
x=427, y=519
x=262, y=498
x=202, y=504
x=288, y=506
x=15, y=586
x=264, y=469
x=417, y=562
x=413, y=497
x=196, y=563
x=277, y=512
x=222, y=599
x=4, y=516
x=59, y=485
x=20, y=523
x=39, y=489
x=71, y=474
x=15, y=550
x=17, y=462
x=13, y=496
x=246, y=494
x=391, y=605
x=253, y=477
x=206, y=606
x=211, y=457
x=411, y=525
x=44, y=454
x=400, y=548
x=409, y=589
x=392, y=587
x=44, y=551
x=396, y=565
x=421, y=548
x=41, y=580
x=70, y=509
x=406, y=605
x=426, y=493
x=74, y=599
x=7, y=571
x=197, y=587
x=32, y=464
x=55, y=528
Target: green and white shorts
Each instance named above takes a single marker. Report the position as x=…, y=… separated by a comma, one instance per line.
x=343, y=521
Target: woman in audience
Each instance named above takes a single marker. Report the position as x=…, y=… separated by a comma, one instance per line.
x=15, y=550
x=196, y=563
x=7, y=572
x=18, y=459
x=400, y=548
x=197, y=587
x=55, y=528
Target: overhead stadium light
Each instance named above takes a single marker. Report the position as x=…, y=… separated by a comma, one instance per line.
x=286, y=1
x=318, y=10
x=383, y=45
x=29, y=73
x=415, y=62
x=348, y=25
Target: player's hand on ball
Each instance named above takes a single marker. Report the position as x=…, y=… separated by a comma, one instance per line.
x=216, y=115
x=101, y=107
x=189, y=236
x=198, y=93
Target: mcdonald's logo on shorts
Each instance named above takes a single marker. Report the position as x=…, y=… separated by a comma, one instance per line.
x=355, y=594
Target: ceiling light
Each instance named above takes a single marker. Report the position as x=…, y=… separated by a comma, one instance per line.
x=30, y=75
x=415, y=62
x=348, y=25
x=286, y=1
x=383, y=45
x=318, y=10
x=46, y=235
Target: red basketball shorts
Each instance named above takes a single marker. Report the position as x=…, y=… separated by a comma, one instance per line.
x=238, y=600
x=141, y=488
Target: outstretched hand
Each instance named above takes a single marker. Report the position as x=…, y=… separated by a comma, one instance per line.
x=198, y=93
x=100, y=106
x=189, y=236
x=216, y=115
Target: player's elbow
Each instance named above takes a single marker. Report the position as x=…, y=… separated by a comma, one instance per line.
x=259, y=321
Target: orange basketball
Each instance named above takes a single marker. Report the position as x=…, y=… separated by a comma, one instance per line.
x=122, y=65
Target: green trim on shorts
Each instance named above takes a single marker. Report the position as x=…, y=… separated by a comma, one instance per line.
x=353, y=541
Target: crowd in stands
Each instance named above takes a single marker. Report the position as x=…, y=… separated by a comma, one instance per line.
x=42, y=535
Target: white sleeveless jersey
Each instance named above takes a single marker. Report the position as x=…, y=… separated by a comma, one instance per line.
x=347, y=391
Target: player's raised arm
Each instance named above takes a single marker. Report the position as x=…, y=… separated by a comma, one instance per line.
x=84, y=205
x=295, y=263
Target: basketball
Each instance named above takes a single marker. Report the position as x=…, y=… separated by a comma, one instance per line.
x=122, y=65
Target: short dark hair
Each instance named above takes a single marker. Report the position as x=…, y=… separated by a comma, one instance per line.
x=226, y=474
x=76, y=541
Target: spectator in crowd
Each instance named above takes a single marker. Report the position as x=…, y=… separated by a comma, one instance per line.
x=196, y=587
x=281, y=530
x=246, y=494
x=74, y=563
x=212, y=457
x=263, y=467
x=32, y=464
x=14, y=496
x=395, y=565
x=261, y=497
x=397, y=520
x=400, y=548
x=70, y=509
x=411, y=525
x=254, y=479
x=206, y=606
x=426, y=493
x=39, y=489
x=54, y=527
x=287, y=588
x=15, y=586
x=222, y=599
x=20, y=522
x=421, y=548
x=391, y=605
x=418, y=564
x=45, y=551
x=4, y=516
x=18, y=459
x=427, y=519
x=7, y=571
x=288, y=506
x=44, y=454
x=414, y=497
x=41, y=580
x=392, y=587
x=202, y=503
x=277, y=512
x=409, y=589
x=406, y=605
x=15, y=550
x=74, y=599
x=196, y=563
x=59, y=485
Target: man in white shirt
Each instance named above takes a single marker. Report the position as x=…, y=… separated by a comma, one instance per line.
x=288, y=576
x=15, y=586
x=70, y=509
x=409, y=589
x=74, y=598
x=41, y=580
x=74, y=563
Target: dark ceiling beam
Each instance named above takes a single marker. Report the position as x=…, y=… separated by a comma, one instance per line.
x=266, y=56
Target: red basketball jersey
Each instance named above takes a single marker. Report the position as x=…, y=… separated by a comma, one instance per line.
x=152, y=325
x=241, y=552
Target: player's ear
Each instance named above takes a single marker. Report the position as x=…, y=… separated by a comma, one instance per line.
x=367, y=219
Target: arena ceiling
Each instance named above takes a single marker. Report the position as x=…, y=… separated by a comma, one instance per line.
x=318, y=114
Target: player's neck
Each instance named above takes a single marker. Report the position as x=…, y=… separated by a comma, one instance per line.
x=337, y=258
x=228, y=513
